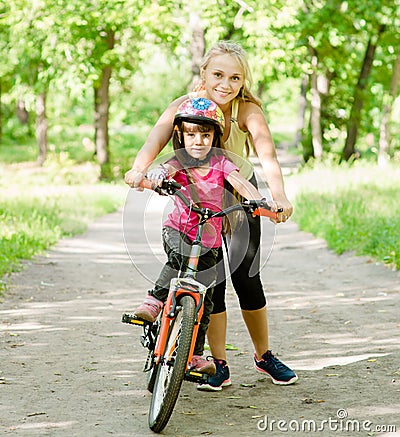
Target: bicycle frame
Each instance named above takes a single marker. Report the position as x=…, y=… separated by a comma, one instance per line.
x=185, y=285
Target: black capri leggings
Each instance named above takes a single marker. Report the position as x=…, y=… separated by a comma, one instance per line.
x=244, y=265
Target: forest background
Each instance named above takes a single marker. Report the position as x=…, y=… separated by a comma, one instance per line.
x=82, y=82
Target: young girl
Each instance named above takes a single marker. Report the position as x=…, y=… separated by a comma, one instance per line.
x=200, y=165
x=226, y=80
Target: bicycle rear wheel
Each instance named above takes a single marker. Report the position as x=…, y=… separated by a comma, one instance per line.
x=171, y=370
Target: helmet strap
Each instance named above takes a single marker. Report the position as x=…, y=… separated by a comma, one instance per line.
x=189, y=162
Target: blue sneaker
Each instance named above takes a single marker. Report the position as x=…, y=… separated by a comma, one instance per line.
x=219, y=380
x=275, y=369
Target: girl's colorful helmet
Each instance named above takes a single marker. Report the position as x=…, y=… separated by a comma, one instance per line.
x=199, y=110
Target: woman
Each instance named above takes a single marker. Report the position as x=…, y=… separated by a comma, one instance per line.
x=199, y=165
x=226, y=80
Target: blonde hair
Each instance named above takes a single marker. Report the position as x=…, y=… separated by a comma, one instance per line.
x=233, y=49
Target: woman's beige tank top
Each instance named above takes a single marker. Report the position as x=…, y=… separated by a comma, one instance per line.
x=236, y=144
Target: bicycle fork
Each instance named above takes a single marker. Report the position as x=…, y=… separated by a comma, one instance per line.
x=179, y=287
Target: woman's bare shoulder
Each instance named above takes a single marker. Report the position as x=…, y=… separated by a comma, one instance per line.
x=171, y=109
x=246, y=110
x=179, y=100
x=246, y=107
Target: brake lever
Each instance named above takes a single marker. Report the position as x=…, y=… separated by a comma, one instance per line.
x=168, y=187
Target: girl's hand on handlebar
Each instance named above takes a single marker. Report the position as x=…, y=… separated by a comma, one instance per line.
x=157, y=175
x=271, y=204
x=268, y=208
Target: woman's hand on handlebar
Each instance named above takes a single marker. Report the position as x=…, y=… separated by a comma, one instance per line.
x=270, y=208
x=285, y=210
x=133, y=178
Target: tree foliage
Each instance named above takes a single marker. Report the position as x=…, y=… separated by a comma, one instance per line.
x=108, y=62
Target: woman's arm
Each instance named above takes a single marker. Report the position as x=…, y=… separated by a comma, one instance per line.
x=155, y=142
x=252, y=119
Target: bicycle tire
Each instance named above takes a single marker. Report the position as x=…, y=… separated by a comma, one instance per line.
x=169, y=377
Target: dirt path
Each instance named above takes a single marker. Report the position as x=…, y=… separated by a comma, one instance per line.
x=69, y=367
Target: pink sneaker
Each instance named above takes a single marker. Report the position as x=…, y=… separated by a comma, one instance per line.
x=202, y=365
x=150, y=309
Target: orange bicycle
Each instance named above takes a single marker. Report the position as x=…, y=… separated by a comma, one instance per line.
x=171, y=338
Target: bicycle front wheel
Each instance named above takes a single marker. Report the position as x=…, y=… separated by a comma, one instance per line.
x=171, y=370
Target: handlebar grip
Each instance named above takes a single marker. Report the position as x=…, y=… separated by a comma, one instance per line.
x=265, y=213
x=147, y=184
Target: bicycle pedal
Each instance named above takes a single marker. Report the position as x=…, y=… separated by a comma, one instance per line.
x=133, y=320
x=197, y=377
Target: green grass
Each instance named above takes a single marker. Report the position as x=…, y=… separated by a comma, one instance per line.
x=353, y=208
x=40, y=206
x=12, y=152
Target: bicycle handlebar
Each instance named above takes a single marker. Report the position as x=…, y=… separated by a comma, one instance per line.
x=147, y=184
x=169, y=186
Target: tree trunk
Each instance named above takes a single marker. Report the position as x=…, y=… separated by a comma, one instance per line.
x=41, y=127
x=101, y=114
x=384, y=137
x=197, y=46
x=22, y=113
x=315, y=116
x=102, y=106
x=301, y=113
x=358, y=101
